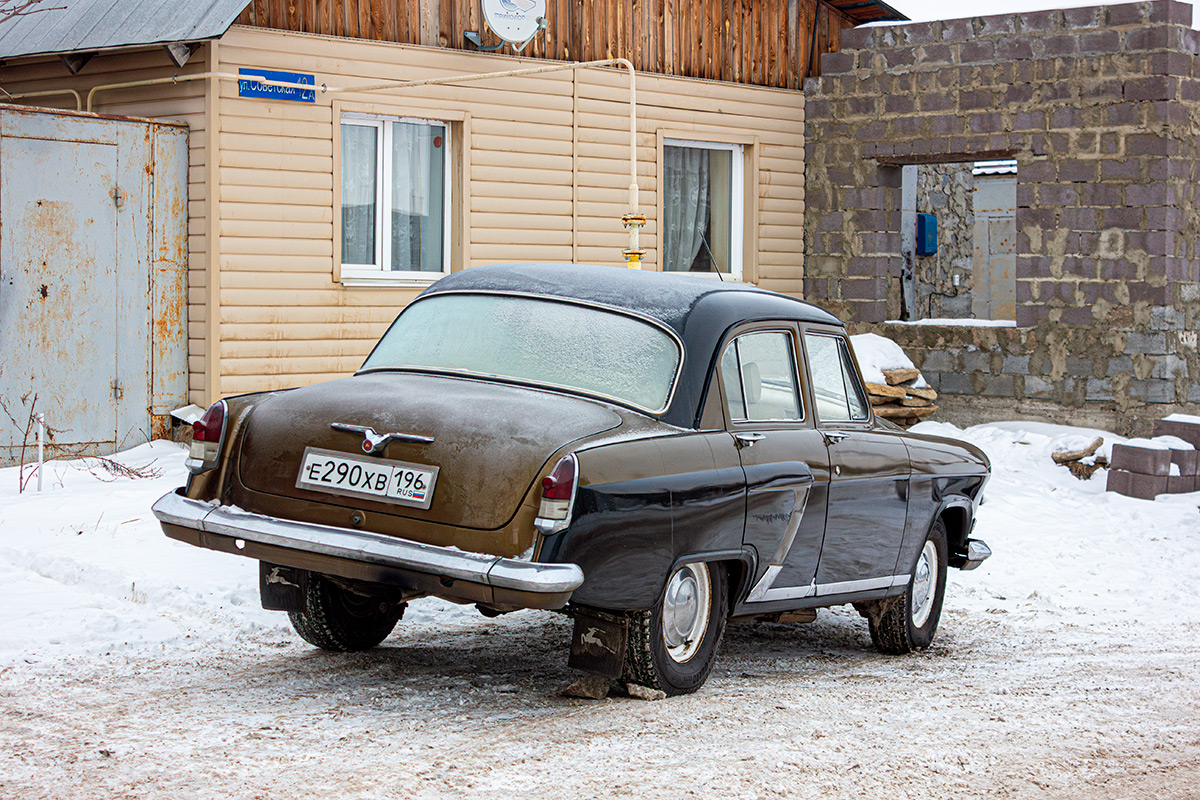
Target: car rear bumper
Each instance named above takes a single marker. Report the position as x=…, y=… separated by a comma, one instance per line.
x=421, y=568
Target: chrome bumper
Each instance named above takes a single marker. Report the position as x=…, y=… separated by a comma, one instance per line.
x=977, y=553
x=510, y=581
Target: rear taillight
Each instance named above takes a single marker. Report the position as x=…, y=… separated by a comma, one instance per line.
x=558, y=494
x=207, y=433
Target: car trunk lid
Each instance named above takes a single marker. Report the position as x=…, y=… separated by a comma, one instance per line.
x=490, y=440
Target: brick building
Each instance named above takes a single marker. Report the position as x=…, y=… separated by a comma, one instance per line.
x=1100, y=110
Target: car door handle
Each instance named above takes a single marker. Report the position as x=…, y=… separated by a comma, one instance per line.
x=833, y=437
x=747, y=439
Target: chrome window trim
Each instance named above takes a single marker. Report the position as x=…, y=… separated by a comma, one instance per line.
x=526, y=382
x=843, y=347
x=796, y=373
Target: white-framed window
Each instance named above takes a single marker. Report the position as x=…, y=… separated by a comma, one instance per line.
x=702, y=206
x=395, y=197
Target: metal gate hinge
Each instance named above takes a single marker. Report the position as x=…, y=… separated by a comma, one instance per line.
x=117, y=196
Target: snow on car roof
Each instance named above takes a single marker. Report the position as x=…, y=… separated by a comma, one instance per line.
x=667, y=297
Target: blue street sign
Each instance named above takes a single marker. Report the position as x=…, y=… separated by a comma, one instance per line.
x=248, y=86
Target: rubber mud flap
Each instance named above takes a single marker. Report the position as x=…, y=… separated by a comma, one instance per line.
x=598, y=642
x=281, y=588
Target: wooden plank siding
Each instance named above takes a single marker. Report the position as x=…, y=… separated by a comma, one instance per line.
x=183, y=102
x=547, y=181
x=762, y=42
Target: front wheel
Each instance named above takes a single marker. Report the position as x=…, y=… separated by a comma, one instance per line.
x=909, y=624
x=335, y=618
x=672, y=647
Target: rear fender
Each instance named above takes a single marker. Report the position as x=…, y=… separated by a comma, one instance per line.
x=213, y=484
x=642, y=508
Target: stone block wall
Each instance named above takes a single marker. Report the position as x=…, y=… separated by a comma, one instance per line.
x=944, y=280
x=1101, y=108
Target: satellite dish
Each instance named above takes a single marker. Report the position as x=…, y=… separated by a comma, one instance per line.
x=515, y=21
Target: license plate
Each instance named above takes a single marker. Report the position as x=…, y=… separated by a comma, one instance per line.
x=390, y=481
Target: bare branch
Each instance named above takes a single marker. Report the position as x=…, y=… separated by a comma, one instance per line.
x=11, y=9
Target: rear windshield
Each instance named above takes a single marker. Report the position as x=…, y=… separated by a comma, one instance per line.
x=547, y=342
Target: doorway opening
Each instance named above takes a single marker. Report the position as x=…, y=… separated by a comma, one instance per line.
x=958, y=241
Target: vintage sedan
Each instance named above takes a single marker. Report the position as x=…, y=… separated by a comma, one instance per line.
x=654, y=454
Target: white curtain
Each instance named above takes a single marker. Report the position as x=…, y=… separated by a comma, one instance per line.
x=410, y=201
x=686, y=204
x=359, y=152
x=418, y=196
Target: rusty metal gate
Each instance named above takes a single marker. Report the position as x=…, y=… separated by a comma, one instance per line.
x=995, y=265
x=93, y=224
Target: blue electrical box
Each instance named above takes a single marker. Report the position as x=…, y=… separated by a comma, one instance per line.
x=926, y=235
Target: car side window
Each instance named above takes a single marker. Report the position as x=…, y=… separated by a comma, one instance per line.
x=838, y=395
x=758, y=372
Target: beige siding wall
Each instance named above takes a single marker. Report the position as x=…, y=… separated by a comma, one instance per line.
x=184, y=102
x=543, y=176
x=546, y=177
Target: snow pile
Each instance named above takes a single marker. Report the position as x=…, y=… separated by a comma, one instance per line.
x=86, y=569
x=962, y=322
x=1064, y=548
x=876, y=353
x=1161, y=443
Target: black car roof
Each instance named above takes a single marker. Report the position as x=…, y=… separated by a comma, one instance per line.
x=700, y=310
x=668, y=297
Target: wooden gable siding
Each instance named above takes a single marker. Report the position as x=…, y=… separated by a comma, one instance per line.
x=761, y=42
x=545, y=180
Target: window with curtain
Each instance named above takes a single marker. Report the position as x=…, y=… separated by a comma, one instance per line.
x=395, y=197
x=702, y=207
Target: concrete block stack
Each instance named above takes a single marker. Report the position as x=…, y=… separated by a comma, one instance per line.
x=1139, y=471
x=1166, y=464
x=1187, y=428
x=905, y=398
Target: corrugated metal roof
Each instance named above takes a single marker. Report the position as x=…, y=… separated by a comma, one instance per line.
x=1007, y=166
x=67, y=26
x=862, y=11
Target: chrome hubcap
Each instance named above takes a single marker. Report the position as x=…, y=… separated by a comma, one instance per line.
x=685, y=611
x=923, y=588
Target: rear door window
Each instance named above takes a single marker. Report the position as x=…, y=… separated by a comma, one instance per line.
x=836, y=389
x=758, y=373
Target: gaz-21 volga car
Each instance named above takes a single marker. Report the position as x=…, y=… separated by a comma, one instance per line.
x=655, y=454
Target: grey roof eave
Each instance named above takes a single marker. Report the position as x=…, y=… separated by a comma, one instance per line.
x=96, y=25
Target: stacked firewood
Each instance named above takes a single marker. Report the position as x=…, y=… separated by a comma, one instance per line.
x=905, y=399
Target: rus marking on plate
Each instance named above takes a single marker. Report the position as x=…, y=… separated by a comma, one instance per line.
x=250, y=85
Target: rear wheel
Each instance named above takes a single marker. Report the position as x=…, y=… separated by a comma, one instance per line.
x=909, y=624
x=672, y=647
x=335, y=618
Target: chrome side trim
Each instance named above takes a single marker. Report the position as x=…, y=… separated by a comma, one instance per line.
x=845, y=587
x=787, y=593
x=364, y=546
x=762, y=591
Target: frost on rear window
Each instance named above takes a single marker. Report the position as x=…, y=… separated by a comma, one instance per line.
x=541, y=341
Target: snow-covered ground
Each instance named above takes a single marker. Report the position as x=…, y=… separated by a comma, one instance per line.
x=1066, y=666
